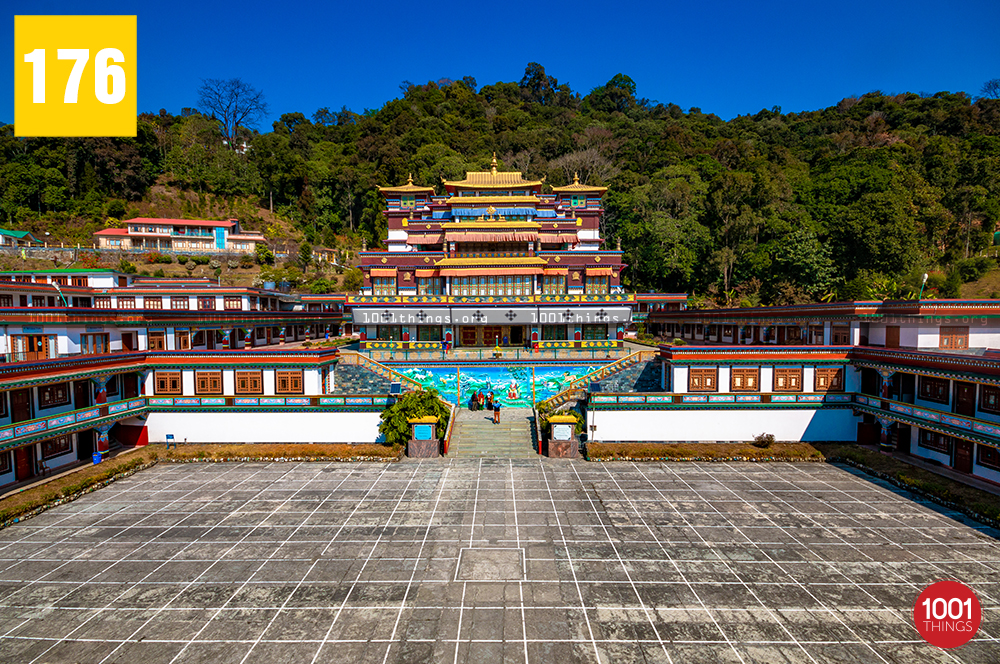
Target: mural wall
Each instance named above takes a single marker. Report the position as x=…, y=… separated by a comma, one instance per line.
x=517, y=386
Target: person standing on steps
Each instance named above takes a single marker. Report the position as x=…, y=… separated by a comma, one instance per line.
x=496, y=411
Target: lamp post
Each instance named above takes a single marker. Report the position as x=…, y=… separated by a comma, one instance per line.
x=921, y=294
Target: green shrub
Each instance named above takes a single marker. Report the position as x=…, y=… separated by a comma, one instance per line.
x=971, y=269
x=763, y=440
x=395, y=424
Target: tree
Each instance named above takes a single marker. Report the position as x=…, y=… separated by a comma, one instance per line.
x=234, y=103
x=305, y=256
x=352, y=280
x=991, y=88
x=395, y=424
x=264, y=255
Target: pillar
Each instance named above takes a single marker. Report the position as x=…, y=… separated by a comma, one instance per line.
x=885, y=376
x=101, y=392
x=102, y=437
x=886, y=424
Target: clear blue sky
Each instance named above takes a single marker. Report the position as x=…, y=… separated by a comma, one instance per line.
x=728, y=58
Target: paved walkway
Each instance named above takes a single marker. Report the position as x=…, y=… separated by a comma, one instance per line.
x=482, y=560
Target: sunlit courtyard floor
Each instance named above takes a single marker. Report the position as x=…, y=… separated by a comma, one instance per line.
x=468, y=560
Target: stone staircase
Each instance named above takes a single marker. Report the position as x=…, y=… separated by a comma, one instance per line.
x=640, y=377
x=352, y=379
x=475, y=435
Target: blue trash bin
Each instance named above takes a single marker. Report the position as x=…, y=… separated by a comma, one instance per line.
x=97, y=458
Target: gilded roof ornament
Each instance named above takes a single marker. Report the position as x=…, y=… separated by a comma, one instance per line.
x=493, y=164
x=576, y=178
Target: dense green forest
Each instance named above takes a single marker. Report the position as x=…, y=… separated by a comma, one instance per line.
x=856, y=200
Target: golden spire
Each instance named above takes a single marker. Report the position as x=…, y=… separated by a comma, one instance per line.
x=576, y=178
x=493, y=164
x=409, y=179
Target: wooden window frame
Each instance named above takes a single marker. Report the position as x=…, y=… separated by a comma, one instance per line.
x=96, y=343
x=232, y=303
x=840, y=335
x=834, y=377
x=182, y=340
x=6, y=301
x=167, y=382
x=160, y=336
x=50, y=449
x=703, y=379
x=793, y=376
x=206, y=303
x=953, y=337
x=152, y=302
x=288, y=382
x=102, y=302
x=5, y=462
x=113, y=386
x=925, y=391
x=932, y=440
x=126, y=301
x=180, y=302
x=208, y=382
x=749, y=379
x=989, y=399
x=992, y=455
x=3, y=405
x=249, y=382
x=54, y=395
x=80, y=282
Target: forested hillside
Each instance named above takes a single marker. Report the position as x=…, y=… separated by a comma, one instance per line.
x=852, y=201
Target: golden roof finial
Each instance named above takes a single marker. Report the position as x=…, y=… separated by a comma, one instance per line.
x=409, y=179
x=493, y=164
x=576, y=178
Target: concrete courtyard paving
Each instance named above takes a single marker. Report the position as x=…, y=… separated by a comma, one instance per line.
x=489, y=561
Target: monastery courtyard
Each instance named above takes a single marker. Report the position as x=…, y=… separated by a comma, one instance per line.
x=489, y=561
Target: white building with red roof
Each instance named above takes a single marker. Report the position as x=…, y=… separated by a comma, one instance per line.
x=180, y=235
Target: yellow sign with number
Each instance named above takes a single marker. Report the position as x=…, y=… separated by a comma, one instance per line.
x=75, y=75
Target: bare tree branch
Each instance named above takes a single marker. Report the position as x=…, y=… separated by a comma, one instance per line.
x=234, y=103
x=991, y=88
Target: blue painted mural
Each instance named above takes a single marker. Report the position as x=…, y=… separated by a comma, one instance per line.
x=517, y=386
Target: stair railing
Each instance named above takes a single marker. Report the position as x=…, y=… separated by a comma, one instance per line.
x=578, y=388
x=352, y=358
x=613, y=368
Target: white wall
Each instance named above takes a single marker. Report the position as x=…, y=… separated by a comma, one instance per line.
x=680, y=379
x=767, y=379
x=264, y=427
x=725, y=425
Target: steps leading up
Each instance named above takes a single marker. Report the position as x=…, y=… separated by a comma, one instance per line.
x=351, y=379
x=475, y=435
x=640, y=377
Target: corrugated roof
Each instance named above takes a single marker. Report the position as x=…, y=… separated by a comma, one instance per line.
x=179, y=222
